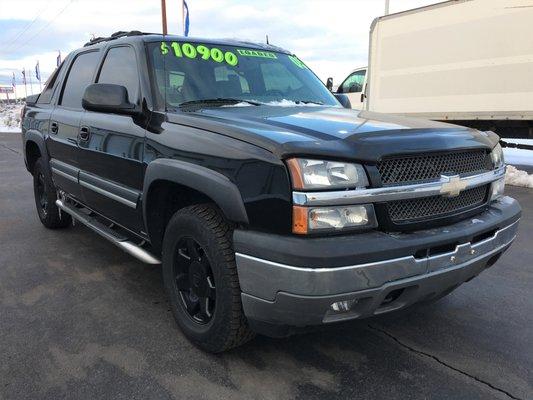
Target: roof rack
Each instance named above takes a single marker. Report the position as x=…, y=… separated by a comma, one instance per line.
x=114, y=36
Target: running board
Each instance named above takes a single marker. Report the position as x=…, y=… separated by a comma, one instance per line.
x=108, y=233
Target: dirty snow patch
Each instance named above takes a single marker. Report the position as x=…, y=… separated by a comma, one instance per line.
x=515, y=177
x=10, y=117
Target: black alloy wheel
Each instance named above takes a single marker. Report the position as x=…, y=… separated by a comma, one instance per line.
x=45, y=194
x=200, y=277
x=42, y=195
x=194, y=281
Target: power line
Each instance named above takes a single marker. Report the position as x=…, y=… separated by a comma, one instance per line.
x=46, y=25
x=10, y=42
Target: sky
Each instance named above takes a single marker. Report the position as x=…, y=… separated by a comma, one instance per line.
x=330, y=36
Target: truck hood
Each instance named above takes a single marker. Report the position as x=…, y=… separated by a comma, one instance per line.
x=333, y=132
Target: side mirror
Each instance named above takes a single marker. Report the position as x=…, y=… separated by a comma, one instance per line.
x=329, y=84
x=344, y=100
x=107, y=98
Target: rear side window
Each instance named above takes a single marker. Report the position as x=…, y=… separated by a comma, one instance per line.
x=79, y=77
x=49, y=87
x=120, y=68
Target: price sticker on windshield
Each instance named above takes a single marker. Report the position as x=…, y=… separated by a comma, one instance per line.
x=200, y=51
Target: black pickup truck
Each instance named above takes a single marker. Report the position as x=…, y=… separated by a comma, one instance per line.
x=270, y=205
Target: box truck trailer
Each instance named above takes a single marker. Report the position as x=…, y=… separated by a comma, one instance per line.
x=465, y=61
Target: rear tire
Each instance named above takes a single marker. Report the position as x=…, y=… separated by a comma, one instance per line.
x=201, y=279
x=45, y=198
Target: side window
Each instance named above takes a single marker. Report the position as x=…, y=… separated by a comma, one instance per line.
x=79, y=77
x=49, y=87
x=120, y=68
x=354, y=83
x=278, y=77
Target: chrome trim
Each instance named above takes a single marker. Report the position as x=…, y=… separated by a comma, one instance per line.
x=64, y=175
x=108, y=194
x=391, y=193
x=264, y=278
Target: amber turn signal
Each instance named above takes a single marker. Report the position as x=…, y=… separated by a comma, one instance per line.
x=299, y=220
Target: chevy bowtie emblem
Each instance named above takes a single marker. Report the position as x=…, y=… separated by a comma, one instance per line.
x=451, y=185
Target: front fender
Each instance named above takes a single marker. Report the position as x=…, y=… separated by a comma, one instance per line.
x=204, y=180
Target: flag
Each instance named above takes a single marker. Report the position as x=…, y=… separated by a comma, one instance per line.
x=13, y=83
x=23, y=76
x=58, y=59
x=37, y=72
x=185, y=19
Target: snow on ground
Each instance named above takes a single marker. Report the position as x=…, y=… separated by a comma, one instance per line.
x=515, y=177
x=10, y=117
x=518, y=158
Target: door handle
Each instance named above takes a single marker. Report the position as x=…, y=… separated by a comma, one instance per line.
x=54, y=127
x=84, y=134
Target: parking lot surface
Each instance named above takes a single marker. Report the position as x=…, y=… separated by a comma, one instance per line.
x=81, y=319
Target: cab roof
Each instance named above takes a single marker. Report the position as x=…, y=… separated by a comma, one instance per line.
x=136, y=36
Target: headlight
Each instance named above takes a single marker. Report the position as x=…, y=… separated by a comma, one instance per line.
x=319, y=219
x=309, y=174
x=497, y=156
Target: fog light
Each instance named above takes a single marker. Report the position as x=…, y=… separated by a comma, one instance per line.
x=343, y=306
x=497, y=189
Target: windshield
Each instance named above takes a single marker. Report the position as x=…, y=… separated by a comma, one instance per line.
x=213, y=75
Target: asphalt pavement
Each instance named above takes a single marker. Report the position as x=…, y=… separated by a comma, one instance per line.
x=80, y=319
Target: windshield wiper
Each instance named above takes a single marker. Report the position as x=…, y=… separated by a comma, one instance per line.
x=217, y=102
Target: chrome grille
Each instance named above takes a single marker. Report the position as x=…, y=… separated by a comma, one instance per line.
x=414, y=210
x=427, y=167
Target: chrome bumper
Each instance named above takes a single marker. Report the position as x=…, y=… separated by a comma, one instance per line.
x=284, y=296
x=264, y=279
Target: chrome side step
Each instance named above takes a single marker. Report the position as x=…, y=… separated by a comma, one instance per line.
x=123, y=242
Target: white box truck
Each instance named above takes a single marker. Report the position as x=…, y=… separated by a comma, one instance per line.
x=469, y=62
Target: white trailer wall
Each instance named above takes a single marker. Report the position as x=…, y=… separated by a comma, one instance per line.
x=454, y=60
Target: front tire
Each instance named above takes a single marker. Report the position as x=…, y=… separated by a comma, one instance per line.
x=201, y=279
x=45, y=198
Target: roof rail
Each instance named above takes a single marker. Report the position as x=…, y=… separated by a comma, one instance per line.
x=114, y=36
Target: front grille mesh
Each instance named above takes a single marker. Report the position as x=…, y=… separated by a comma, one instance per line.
x=403, y=211
x=427, y=167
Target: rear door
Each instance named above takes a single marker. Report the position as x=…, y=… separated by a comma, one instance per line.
x=62, y=142
x=112, y=145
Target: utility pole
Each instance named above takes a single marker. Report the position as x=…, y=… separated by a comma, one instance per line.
x=386, y=7
x=182, y=18
x=164, y=16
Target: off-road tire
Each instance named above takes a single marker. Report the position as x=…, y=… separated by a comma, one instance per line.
x=228, y=326
x=47, y=210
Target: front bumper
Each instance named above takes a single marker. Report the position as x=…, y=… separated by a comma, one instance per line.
x=294, y=295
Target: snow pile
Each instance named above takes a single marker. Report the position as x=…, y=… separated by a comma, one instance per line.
x=515, y=177
x=10, y=117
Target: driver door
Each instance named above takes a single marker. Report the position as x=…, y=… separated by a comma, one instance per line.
x=353, y=87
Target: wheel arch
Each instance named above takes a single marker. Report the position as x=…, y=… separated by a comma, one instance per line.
x=170, y=185
x=34, y=147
